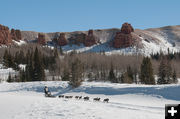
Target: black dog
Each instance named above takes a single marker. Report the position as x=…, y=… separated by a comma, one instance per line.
x=106, y=100
x=77, y=97
x=61, y=96
x=86, y=98
x=96, y=99
x=80, y=97
x=68, y=97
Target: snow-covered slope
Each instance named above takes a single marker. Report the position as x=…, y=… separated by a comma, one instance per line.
x=27, y=101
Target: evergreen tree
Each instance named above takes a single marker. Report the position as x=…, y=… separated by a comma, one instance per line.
x=174, y=77
x=165, y=71
x=66, y=75
x=76, y=73
x=10, y=78
x=22, y=76
x=122, y=78
x=146, y=75
x=38, y=68
x=21, y=57
x=8, y=60
x=112, y=76
x=16, y=62
x=130, y=73
x=5, y=59
x=29, y=67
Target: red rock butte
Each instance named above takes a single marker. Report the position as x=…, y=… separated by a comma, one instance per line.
x=5, y=35
x=124, y=38
x=16, y=34
x=90, y=39
x=41, y=39
x=62, y=40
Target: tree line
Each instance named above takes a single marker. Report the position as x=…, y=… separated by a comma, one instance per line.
x=74, y=67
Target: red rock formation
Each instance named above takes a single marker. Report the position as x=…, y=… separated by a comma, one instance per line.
x=16, y=35
x=77, y=38
x=5, y=36
x=127, y=28
x=124, y=38
x=41, y=39
x=62, y=40
x=90, y=39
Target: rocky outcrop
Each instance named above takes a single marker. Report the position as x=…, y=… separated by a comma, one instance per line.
x=41, y=39
x=77, y=38
x=90, y=39
x=5, y=36
x=61, y=40
x=16, y=34
x=127, y=28
x=124, y=38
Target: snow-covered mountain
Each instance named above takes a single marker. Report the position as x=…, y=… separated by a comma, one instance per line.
x=148, y=41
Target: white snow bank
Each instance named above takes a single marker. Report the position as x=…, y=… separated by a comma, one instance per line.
x=127, y=101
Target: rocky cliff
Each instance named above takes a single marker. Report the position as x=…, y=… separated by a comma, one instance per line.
x=5, y=35
x=16, y=34
x=125, y=39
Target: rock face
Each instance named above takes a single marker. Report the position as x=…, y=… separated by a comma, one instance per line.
x=127, y=28
x=77, y=38
x=90, y=39
x=124, y=38
x=16, y=34
x=5, y=36
x=41, y=39
x=62, y=40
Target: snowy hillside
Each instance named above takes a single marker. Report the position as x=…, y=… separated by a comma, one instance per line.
x=27, y=101
x=148, y=41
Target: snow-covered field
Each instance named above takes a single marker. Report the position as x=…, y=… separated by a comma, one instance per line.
x=127, y=101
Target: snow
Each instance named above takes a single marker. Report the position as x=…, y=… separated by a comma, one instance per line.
x=4, y=73
x=163, y=45
x=22, y=66
x=21, y=42
x=127, y=101
x=104, y=47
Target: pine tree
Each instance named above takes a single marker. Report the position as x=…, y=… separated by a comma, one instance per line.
x=165, y=71
x=8, y=60
x=29, y=67
x=112, y=76
x=76, y=73
x=5, y=58
x=10, y=78
x=38, y=68
x=21, y=57
x=146, y=75
x=122, y=78
x=130, y=73
x=66, y=75
x=174, y=77
x=22, y=76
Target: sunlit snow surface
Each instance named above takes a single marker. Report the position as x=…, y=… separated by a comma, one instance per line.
x=127, y=101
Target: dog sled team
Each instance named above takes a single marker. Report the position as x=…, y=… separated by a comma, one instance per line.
x=48, y=94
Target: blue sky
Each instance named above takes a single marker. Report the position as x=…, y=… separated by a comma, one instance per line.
x=76, y=15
